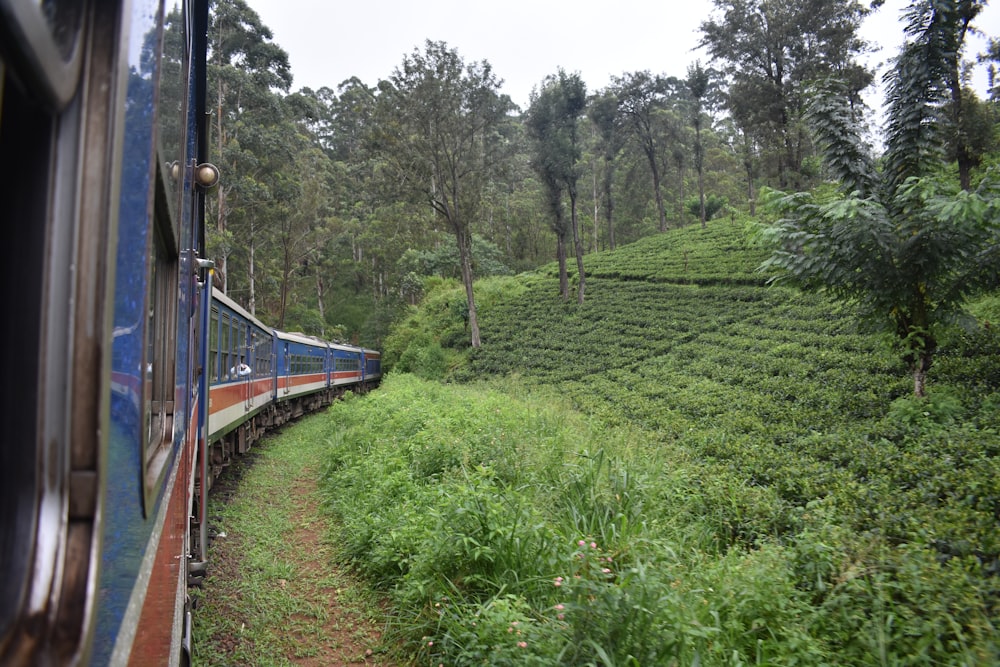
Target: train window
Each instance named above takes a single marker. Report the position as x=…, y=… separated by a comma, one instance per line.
x=161, y=325
x=43, y=40
x=262, y=357
x=240, y=352
x=172, y=95
x=225, y=332
x=213, y=347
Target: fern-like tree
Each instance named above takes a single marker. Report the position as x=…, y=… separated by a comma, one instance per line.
x=901, y=239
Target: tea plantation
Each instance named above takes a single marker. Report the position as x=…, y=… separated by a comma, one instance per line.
x=692, y=467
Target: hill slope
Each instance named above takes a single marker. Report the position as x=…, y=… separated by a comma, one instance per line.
x=800, y=427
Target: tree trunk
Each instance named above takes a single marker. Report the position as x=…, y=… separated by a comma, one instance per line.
x=561, y=256
x=578, y=246
x=220, y=264
x=699, y=159
x=252, y=301
x=465, y=256
x=609, y=203
x=920, y=368
x=597, y=203
x=319, y=301
x=660, y=210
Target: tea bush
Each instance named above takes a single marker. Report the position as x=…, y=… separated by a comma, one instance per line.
x=752, y=464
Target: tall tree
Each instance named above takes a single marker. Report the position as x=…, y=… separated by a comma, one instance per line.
x=246, y=70
x=908, y=246
x=440, y=131
x=701, y=89
x=964, y=144
x=553, y=122
x=771, y=50
x=603, y=113
x=641, y=99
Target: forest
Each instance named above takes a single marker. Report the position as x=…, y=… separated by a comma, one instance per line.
x=338, y=203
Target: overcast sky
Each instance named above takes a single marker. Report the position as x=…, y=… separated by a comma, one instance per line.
x=329, y=41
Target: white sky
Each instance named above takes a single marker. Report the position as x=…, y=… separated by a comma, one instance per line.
x=329, y=41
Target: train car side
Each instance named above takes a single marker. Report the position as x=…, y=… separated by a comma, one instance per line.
x=371, y=367
x=302, y=374
x=103, y=172
x=240, y=382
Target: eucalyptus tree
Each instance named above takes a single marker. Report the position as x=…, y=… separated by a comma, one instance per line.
x=968, y=134
x=642, y=98
x=553, y=123
x=702, y=90
x=771, y=50
x=906, y=244
x=440, y=133
x=248, y=73
x=603, y=113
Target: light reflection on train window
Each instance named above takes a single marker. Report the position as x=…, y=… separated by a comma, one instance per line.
x=172, y=88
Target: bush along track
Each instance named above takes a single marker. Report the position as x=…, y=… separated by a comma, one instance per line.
x=754, y=466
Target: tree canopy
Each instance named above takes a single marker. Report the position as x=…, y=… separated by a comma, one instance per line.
x=900, y=239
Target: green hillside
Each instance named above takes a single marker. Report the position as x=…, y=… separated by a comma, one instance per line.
x=764, y=426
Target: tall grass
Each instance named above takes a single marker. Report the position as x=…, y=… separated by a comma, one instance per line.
x=509, y=530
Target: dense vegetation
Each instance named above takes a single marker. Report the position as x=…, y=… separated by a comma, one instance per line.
x=691, y=467
x=693, y=464
x=327, y=195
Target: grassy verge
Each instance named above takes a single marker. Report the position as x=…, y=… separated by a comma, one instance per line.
x=273, y=595
x=508, y=529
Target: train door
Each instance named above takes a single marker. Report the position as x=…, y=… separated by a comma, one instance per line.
x=245, y=373
x=252, y=361
x=287, y=370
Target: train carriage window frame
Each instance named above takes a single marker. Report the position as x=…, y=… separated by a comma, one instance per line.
x=160, y=364
x=213, y=347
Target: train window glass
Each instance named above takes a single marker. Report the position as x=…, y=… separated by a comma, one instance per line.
x=240, y=353
x=262, y=357
x=44, y=40
x=172, y=95
x=213, y=347
x=226, y=347
x=160, y=333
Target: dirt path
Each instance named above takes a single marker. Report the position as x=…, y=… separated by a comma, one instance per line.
x=348, y=636
x=305, y=611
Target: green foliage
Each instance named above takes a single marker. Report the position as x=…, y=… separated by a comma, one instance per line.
x=713, y=204
x=909, y=247
x=775, y=505
x=443, y=260
x=935, y=408
x=432, y=341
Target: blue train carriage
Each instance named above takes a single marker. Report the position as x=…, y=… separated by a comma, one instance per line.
x=346, y=371
x=102, y=149
x=371, y=364
x=240, y=375
x=301, y=375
